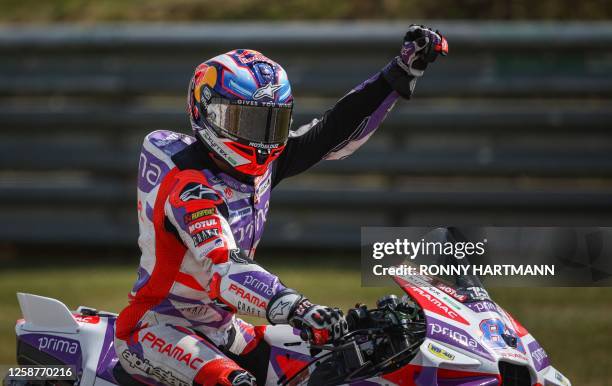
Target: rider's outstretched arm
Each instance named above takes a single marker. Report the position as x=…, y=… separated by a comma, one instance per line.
x=340, y=131
x=355, y=117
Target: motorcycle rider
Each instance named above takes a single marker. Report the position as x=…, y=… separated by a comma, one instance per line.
x=202, y=205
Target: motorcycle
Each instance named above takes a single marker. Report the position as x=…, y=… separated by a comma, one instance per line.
x=443, y=331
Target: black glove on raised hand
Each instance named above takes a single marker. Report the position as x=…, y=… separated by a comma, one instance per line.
x=318, y=324
x=421, y=46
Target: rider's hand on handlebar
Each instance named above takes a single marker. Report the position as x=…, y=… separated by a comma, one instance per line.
x=318, y=324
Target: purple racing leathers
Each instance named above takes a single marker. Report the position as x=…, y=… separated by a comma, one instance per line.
x=199, y=229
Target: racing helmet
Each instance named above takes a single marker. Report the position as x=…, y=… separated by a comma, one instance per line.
x=240, y=106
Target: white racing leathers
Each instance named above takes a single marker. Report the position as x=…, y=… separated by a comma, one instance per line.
x=199, y=229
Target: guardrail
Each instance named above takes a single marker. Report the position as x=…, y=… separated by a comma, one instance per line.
x=511, y=128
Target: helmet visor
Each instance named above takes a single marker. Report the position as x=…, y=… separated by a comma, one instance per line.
x=262, y=124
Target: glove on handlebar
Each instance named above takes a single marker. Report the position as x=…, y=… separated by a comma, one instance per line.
x=318, y=323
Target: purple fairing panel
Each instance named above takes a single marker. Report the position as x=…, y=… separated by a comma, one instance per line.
x=482, y=306
x=261, y=282
x=456, y=337
x=428, y=376
x=108, y=357
x=484, y=380
x=538, y=355
x=284, y=361
x=66, y=350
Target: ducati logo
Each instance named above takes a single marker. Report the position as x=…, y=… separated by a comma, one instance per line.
x=266, y=91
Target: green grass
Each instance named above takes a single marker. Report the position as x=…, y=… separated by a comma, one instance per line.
x=573, y=324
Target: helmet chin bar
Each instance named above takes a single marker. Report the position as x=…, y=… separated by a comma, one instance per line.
x=252, y=162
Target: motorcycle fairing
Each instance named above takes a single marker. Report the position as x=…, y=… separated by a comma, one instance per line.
x=64, y=348
x=438, y=362
x=482, y=336
x=95, y=357
x=288, y=354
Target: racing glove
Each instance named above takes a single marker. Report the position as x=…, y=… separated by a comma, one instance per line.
x=318, y=324
x=421, y=46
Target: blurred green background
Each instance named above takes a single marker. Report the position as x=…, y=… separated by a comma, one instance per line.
x=197, y=10
x=572, y=324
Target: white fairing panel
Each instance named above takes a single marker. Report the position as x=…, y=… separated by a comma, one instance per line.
x=283, y=339
x=553, y=377
x=53, y=319
x=42, y=313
